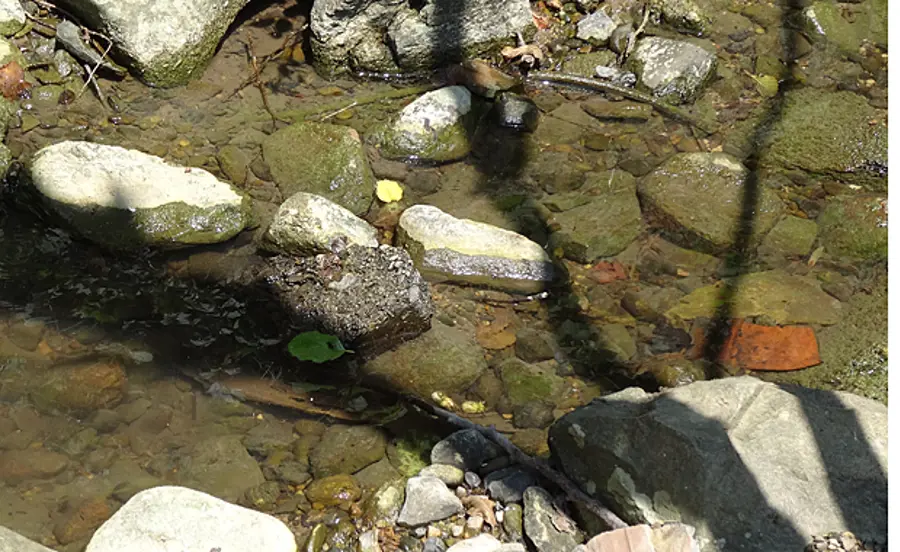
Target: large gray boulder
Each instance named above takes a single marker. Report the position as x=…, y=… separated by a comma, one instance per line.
x=378, y=35
x=168, y=42
x=370, y=298
x=672, y=70
x=446, y=248
x=178, y=518
x=751, y=465
x=674, y=190
x=124, y=198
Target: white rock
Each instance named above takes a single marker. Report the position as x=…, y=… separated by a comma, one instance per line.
x=447, y=248
x=12, y=17
x=431, y=128
x=596, y=27
x=118, y=196
x=170, y=519
x=672, y=69
x=307, y=224
x=10, y=541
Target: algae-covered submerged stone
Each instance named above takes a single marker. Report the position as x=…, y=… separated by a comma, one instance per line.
x=855, y=227
x=834, y=134
x=307, y=224
x=124, y=198
x=322, y=159
x=700, y=198
x=781, y=297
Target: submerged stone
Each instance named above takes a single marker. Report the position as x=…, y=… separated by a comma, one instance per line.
x=322, y=159
x=604, y=225
x=780, y=297
x=526, y=383
x=347, y=449
x=446, y=248
x=435, y=127
x=830, y=134
x=855, y=227
x=699, y=199
x=123, y=198
x=420, y=366
x=791, y=237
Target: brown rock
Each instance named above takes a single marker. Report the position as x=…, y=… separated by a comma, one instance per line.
x=21, y=465
x=79, y=522
x=81, y=386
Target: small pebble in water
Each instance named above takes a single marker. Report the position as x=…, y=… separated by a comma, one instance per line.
x=472, y=479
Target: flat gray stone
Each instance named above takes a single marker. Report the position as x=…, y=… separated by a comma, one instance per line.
x=307, y=224
x=596, y=28
x=427, y=499
x=10, y=541
x=549, y=529
x=751, y=465
x=220, y=466
x=446, y=248
x=125, y=198
x=177, y=518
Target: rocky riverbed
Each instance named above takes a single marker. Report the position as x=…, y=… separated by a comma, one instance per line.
x=580, y=224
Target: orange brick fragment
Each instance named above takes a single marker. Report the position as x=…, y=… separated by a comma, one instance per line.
x=776, y=348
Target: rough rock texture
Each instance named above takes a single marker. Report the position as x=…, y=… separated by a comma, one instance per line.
x=125, y=198
x=12, y=17
x=322, y=159
x=177, y=518
x=433, y=128
x=307, y=224
x=427, y=499
x=347, y=449
x=461, y=250
x=855, y=227
x=780, y=297
x=377, y=36
x=222, y=467
x=10, y=540
x=734, y=457
x=672, y=70
x=668, y=537
x=596, y=28
x=370, y=298
x=168, y=42
x=791, y=237
x=546, y=527
x=420, y=366
x=467, y=449
x=598, y=220
x=843, y=143
x=717, y=181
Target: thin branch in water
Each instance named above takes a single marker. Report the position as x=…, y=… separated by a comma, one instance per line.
x=632, y=38
x=254, y=66
x=338, y=112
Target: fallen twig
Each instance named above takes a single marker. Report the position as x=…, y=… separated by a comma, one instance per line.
x=603, y=86
x=632, y=38
x=571, y=489
x=254, y=66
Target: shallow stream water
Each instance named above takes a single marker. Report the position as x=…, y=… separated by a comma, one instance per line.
x=106, y=360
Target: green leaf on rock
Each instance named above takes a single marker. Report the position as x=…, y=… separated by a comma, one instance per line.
x=316, y=347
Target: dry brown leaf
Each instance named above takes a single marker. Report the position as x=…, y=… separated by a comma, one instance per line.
x=493, y=338
x=532, y=50
x=480, y=505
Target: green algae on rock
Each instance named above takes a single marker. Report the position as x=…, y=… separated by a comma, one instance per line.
x=780, y=297
x=322, y=159
x=855, y=226
x=699, y=199
x=830, y=134
x=525, y=382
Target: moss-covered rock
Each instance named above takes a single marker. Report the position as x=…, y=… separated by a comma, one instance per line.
x=791, y=237
x=346, y=449
x=699, y=199
x=855, y=226
x=779, y=297
x=334, y=490
x=833, y=134
x=525, y=383
x=608, y=220
x=322, y=159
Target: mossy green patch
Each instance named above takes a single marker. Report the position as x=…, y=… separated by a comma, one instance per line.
x=527, y=383
x=322, y=159
x=855, y=227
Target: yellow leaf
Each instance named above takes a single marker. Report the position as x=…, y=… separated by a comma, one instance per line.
x=767, y=85
x=388, y=191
